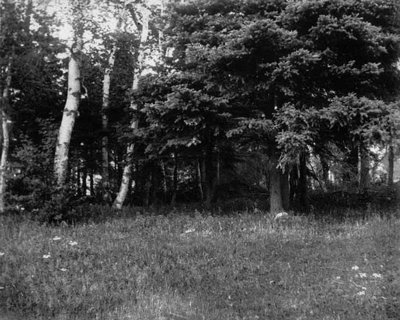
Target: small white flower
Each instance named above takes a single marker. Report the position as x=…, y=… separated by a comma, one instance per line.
x=63, y=269
x=1, y=288
x=363, y=275
x=2, y=254
x=190, y=230
x=73, y=243
x=46, y=256
x=361, y=293
x=56, y=238
x=338, y=278
x=377, y=275
x=355, y=268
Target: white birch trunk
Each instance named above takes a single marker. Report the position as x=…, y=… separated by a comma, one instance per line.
x=5, y=134
x=127, y=172
x=69, y=115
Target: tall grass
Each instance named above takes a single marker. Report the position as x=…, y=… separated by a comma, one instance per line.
x=198, y=266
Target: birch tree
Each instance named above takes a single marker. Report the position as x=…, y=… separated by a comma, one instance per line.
x=70, y=111
x=4, y=106
x=142, y=23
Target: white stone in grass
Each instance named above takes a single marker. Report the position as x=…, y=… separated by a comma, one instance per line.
x=56, y=238
x=73, y=243
x=2, y=254
x=377, y=275
x=281, y=215
x=361, y=293
x=355, y=268
x=46, y=256
x=363, y=275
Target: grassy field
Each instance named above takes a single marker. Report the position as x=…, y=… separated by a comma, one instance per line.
x=195, y=266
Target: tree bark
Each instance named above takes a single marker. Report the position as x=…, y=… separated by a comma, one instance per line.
x=199, y=184
x=127, y=172
x=4, y=105
x=303, y=185
x=175, y=182
x=163, y=181
x=285, y=190
x=325, y=173
x=275, y=173
x=390, y=166
x=364, y=169
x=69, y=114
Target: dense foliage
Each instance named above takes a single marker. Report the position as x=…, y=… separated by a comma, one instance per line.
x=235, y=94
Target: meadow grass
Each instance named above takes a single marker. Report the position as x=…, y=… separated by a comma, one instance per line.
x=198, y=266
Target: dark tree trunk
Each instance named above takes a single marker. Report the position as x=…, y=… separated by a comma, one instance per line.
x=325, y=173
x=78, y=179
x=364, y=169
x=91, y=181
x=350, y=176
x=285, y=190
x=175, y=182
x=303, y=186
x=154, y=184
x=199, y=180
x=275, y=200
x=163, y=181
x=210, y=178
x=84, y=181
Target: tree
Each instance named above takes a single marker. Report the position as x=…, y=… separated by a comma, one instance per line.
x=143, y=27
x=73, y=98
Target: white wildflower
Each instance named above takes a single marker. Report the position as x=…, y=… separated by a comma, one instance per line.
x=361, y=293
x=190, y=230
x=355, y=268
x=377, y=275
x=73, y=243
x=63, y=269
x=362, y=275
x=46, y=256
x=281, y=215
x=338, y=278
x=2, y=254
x=1, y=288
x=56, y=238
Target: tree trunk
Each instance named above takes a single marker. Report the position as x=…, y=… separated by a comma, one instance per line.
x=390, y=166
x=4, y=105
x=325, y=173
x=104, y=116
x=198, y=176
x=69, y=115
x=175, y=181
x=350, y=175
x=91, y=183
x=275, y=200
x=210, y=177
x=84, y=180
x=285, y=190
x=364, y=169
x=126, y=179
x=163, y=181
x=127, y=172
x=303, y=185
